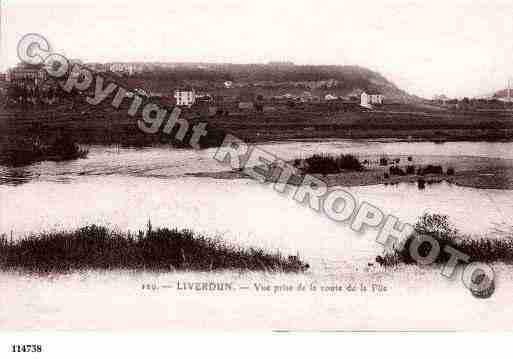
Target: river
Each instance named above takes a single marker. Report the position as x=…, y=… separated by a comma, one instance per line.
x=125, y=188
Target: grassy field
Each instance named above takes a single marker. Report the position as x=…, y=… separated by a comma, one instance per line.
x=102, y=124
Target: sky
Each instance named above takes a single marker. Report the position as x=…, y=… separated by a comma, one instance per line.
x=456, y=48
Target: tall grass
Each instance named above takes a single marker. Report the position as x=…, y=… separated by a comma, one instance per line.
x=326, y=163
x=162, y=249
x=488, y=250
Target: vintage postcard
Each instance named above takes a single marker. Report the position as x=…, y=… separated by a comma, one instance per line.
x=256, y=165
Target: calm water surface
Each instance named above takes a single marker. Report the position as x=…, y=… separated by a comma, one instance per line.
x=125, y=188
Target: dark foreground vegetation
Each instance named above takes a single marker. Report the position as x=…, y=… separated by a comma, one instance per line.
x=487, y=250
x=161, y=249
x=326, y=163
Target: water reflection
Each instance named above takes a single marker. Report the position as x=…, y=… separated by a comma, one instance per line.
x=421, y=183
x=240, y=211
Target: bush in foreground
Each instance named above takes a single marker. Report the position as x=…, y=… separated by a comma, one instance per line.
x=325, y=163
x=162, y=249
x=437, y=226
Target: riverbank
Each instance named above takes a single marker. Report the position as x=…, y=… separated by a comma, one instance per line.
x=24, y=153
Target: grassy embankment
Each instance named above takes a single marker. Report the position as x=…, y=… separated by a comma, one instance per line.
x=99, y=248
x=487, y=250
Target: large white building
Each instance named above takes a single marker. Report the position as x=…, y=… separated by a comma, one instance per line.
x=185, y=97
x=122, y=68
x=369, y=99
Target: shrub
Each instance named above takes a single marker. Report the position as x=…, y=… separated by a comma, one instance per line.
x=430, y=169
x=410, y=170
x=438, y=227
x=383, y=161
x=435, y=225
x=450, y=171
x=326, y=163
x=410, y=158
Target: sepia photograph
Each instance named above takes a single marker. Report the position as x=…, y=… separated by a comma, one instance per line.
x=271, y=166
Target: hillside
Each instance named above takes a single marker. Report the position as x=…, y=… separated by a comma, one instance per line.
x=270, y=80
